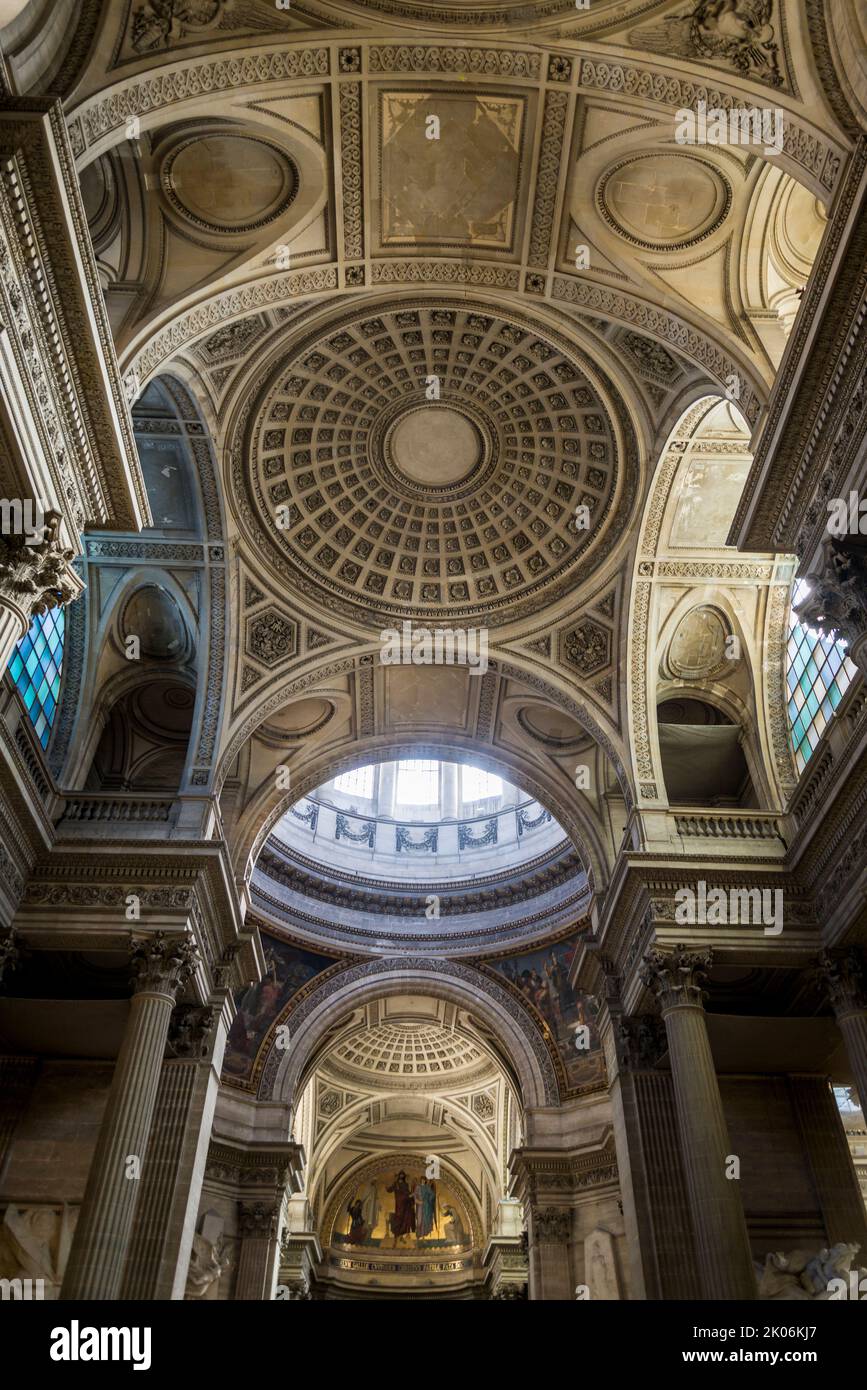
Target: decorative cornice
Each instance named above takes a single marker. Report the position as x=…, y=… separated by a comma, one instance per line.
x=49, y=253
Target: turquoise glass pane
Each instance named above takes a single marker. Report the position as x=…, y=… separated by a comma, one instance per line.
x=36, y=666
x=818, y=674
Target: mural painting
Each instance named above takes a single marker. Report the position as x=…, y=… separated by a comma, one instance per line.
x=403, y=1210
x=287, y=968
x=542, y=976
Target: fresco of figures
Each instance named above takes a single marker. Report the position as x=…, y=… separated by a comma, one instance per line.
x=287, y=968
x=542, y=977
x=402, y=1210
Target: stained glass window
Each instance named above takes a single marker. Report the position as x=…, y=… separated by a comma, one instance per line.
x=818, y=673
x=35, y=668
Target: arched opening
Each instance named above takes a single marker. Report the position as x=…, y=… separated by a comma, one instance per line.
x=702, y=755
x=407, y=1118
x=419, y=852
x=143, y=746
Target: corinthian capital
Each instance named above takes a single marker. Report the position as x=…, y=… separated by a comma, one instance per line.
x=162, y=963
x=842, y=976
x=837, y=601
x=550, y=1224
x=259, y=1219
x=34, y=578
x=676, y=976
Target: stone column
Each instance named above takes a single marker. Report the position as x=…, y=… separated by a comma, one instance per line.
x=300, y=1257
x=827, y=1148
x=449, y=789
x=17, y=1079
x=548, y=1231
x=842, y=975
x=259, y=1224
x=652, y=1182
x=720, y=1230
x=161, y=965
x=387, y=789
x=174, y=1169
x=32, y=578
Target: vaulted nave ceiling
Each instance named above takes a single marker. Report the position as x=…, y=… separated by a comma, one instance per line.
x=441, y=280
x=433, y=753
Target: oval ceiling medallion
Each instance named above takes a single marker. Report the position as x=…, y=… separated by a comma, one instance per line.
x=227, y=182
x=698, y=647
x=388, y=503
x=664, y=202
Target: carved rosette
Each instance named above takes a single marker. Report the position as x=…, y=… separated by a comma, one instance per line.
x=842, y=977
x=162, y=963
x=34, y=578
x=837, y=601
x=677, y=977
x=258, y=1220
x=550, y=1225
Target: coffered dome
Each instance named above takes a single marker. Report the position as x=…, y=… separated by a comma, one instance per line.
x=436, y=461
x=409, y=1049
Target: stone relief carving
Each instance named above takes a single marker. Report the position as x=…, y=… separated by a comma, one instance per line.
x=800, y=1276
x=737, y=33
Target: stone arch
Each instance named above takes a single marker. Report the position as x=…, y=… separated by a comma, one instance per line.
x=310, y=1021
x=264, y=814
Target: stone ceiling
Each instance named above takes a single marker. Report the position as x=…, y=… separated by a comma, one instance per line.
x=392, y=503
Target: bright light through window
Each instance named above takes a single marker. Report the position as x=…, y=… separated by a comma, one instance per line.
x=358, y=783
x=818, y=673
x=418, y=783
x=476, y=784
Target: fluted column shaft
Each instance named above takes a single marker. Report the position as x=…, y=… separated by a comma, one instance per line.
x=13, y=626
x=168, y=1205
x=257, y=1259
x=548, y=1229
x=721, y=1239
x=102, y=1237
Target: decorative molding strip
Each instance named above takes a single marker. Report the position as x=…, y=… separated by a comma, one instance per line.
x=351, y=170
x=231, y=304
x=103, y=114
x=572, y=289
x=484, y=62
x=551, y=157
